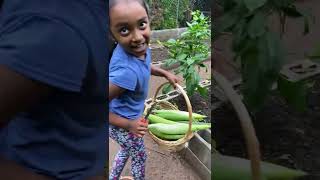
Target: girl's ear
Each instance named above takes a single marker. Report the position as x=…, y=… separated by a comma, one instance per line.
x=113, y=40
x=111, y=37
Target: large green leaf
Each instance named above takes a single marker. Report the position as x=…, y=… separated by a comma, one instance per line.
x=190, y=61
x=282, y=3
x=169, y=62
x=239, y=35
x=181, y=57
x=256, y=26
x=260, y=69
x=226, y=21
x=227, y=4
x=271, y=53
x=291, y=11
x=253, y=92
x=254, y=4
x=190, y=87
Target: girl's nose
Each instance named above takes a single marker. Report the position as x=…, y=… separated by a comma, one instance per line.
x=137, y=36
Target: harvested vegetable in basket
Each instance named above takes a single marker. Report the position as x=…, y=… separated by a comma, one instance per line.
x=176, y=115
x=165, y=136
x=177, y=128
x=156, y=119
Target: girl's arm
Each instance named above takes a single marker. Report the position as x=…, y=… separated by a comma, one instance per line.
x=114, y=91
x=163, y=73
x=135, y=126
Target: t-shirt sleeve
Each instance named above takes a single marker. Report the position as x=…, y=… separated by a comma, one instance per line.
x=45, y=50
x=124, y=78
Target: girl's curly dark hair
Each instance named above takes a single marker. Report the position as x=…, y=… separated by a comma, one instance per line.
x=142, y=2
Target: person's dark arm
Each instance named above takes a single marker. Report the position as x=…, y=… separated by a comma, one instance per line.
x=18, y=93
x=13, y=171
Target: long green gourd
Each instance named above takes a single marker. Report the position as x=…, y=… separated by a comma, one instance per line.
x=166, y=136
x=156, y=119
x=194, y=123
x=234, y=168
x=177, y=128
x=176, y=115
x=153, y=119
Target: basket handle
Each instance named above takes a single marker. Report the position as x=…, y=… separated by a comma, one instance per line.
x=186, y=98
x=245, y=122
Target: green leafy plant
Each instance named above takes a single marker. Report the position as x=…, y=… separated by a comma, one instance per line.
x=257, y=48
x=190, y=51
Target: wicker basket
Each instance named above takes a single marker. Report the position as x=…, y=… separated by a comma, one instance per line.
x=172, y=146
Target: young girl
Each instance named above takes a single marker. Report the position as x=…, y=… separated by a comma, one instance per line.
x=129, y=72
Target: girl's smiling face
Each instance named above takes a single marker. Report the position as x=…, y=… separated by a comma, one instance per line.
x=130, y=27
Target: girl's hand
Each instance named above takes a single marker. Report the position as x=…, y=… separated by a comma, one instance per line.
x=138, y=127
x=173, y=79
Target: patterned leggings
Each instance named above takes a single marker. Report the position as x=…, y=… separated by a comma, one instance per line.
x=132, y=146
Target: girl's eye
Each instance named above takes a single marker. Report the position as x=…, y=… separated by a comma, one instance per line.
x=124, y=31
x=143, y=25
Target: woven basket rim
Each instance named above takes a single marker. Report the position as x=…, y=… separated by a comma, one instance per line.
x=173, y=145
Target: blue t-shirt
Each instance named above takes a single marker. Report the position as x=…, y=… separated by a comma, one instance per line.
x=132, y=74
x=61, y=43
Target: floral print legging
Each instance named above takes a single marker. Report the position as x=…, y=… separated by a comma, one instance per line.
x=130, y=146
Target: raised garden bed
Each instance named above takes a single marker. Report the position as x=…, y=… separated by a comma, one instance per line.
x=286, y=137
x=198, y=152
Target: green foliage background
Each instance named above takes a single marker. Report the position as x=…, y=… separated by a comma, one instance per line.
x=164, y=12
